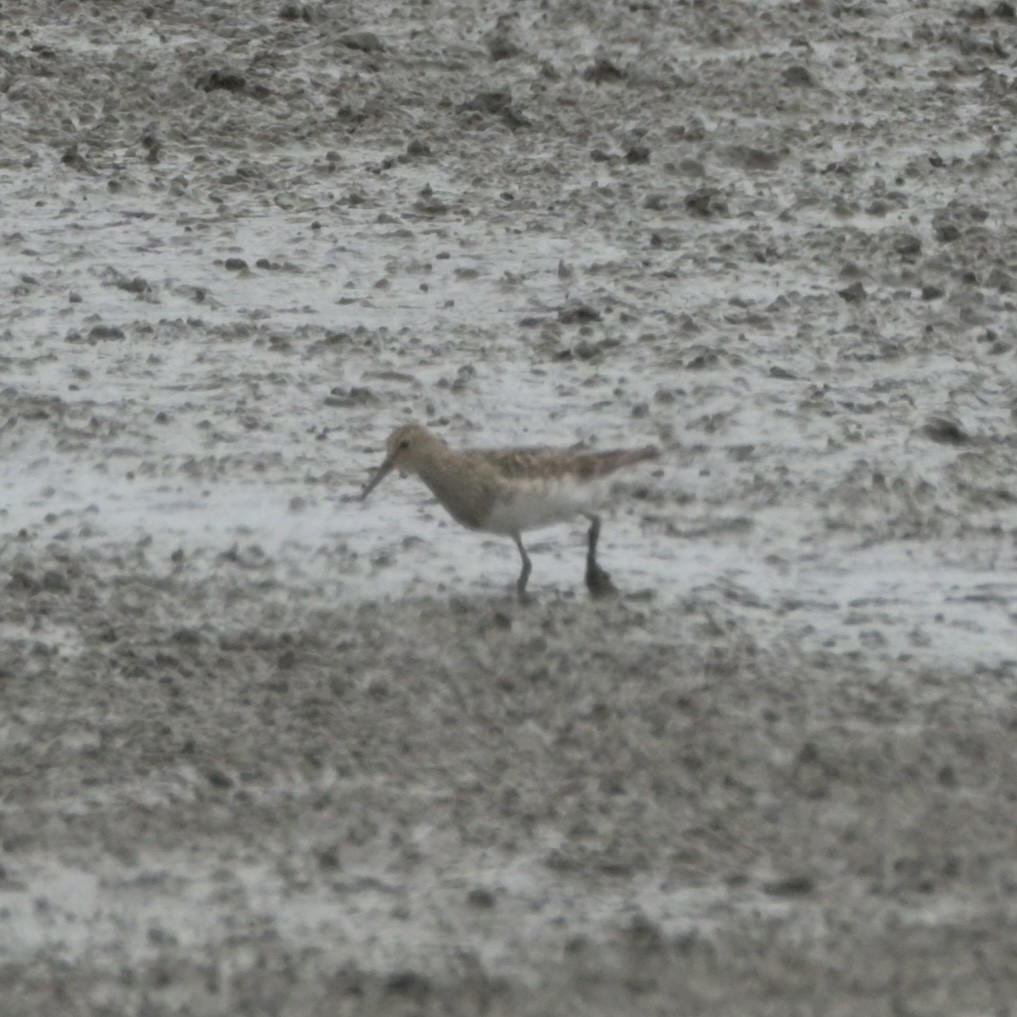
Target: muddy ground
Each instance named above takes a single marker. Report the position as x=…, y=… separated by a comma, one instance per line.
x=267, y=750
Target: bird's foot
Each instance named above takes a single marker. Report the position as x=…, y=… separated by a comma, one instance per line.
x=598, y=582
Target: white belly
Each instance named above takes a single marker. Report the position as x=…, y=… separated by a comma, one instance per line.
x=530, y=506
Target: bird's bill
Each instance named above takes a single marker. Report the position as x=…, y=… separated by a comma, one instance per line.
x=379, y=475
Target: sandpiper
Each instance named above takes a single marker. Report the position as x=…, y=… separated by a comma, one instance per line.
x=510, y=490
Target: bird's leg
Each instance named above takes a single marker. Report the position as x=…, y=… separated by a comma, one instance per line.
x=525, y=574
x=598, y=582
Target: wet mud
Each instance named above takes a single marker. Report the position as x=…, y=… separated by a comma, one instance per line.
x=266, y=749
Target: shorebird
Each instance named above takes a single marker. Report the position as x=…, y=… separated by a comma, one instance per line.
x=511, y=490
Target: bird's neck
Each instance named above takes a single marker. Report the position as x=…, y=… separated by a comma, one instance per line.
x=451, y=481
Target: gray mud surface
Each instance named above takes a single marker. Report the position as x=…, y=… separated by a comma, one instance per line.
x=267, y=750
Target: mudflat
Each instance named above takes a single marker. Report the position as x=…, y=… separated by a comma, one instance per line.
x=267, y=749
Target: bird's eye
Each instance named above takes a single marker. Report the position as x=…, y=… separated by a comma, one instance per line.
x=405, y=443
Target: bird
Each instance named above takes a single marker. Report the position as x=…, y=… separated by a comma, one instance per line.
x=511, y=490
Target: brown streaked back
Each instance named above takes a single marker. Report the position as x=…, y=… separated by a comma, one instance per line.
x=548, y=463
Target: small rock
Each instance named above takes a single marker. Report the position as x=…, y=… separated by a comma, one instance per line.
x=222, y=78
x=365, y=42
x=296, y=12
x=217, y=778
x=235, y=264
x=945, y=431
x=645, y=935
x=906, y=244
x=932, y=292
x=135, y=285
x=501, y=44
x=408, y=983
x=501, y=47
x=638, y=154
x=328, y=858
x=480, y=897
x=105, y=332
x=853, y=294
x=797, y=76
x=497, y=102
x=789, y=886
x=73, y=158
x=429, y=205
x=578, y=314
